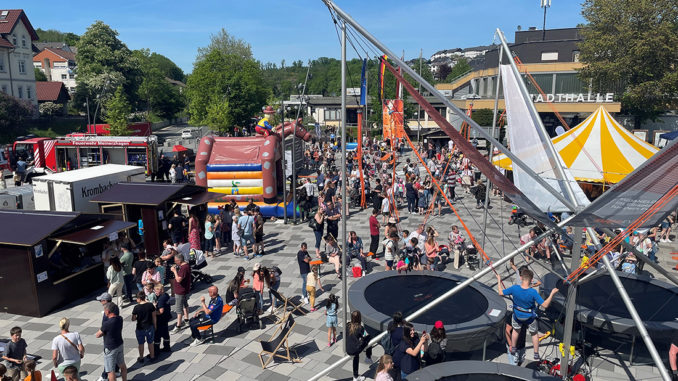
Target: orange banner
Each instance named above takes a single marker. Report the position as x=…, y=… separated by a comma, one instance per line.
x=392, y=116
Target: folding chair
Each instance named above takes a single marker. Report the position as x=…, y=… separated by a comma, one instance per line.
x=279, y=341
x=208, y=330
x=287, y=302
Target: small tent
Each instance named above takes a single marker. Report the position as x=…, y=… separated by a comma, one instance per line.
x=597, y=150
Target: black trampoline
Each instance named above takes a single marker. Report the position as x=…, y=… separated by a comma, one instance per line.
x=473, y=317
x=599, y=305
x=477, y=371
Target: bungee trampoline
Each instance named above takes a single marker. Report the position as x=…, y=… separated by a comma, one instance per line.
x=473, y=318
x=477, y=371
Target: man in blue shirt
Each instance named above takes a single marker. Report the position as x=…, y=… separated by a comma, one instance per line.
x=526, y=300
x=246, y=223
x=208, y=314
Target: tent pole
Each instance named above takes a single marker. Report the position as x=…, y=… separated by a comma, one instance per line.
x=491, y=148
x=344, y=200
x=447, y=294
x=462, y=115
x=571, y=302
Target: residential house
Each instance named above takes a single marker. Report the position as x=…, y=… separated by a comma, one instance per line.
x=54, y=92
x=58, y=65
x=17, y=77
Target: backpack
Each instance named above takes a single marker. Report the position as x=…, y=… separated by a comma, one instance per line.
x=435, y=353
x=386, y=343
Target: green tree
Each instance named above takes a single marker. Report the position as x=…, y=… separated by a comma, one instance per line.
x=631, y=47
x=13, y=113
x=104, y=64
x=227, y=44
x=50, y=109
x=225, y=90
x=51, y=35
x=157, y=95
x=117, y=113
x=39, y=75
x=460, y=68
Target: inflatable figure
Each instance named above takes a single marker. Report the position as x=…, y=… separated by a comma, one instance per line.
x=263, y=126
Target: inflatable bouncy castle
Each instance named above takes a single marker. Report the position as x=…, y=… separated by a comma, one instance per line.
x=246, y=169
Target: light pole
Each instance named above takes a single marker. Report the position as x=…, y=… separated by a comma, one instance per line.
x=544, y=4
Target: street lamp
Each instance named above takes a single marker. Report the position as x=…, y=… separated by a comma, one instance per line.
x=544, y=4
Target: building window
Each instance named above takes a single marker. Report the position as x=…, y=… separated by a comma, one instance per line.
x=2, y=63
x=549, y=56
x=23, y=41
x=575, y=56
x=332, y=114
x=71, y=76
x=28, y=92
x=63, y=76
x=14, y=40
x=22, y=67
x=569, y=83
x=545, y=82
x=21, y=92
x=4, y=89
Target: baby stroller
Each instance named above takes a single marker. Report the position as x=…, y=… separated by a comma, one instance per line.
x=444, y=254
x=247, y=310
x=196, y=258
x=518, y=217
x=354, y=197
x=471, y=257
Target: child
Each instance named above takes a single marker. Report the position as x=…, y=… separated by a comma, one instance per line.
x=402, y=265
x=160, y=268
x=149, y=290
x=33, y=375
x=331, y=311
x=235, y=236
x=385, y=365
x=311, y=279
x=3, y=371
x=259, y=275
x=14, y=354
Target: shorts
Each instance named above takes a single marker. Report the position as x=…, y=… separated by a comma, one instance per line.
x=331, y=321
x=246, y=240
x=664, y=225
x=532, y=328
x=209, y=244
x=385, y=214
x=258, y=238
x=180, y=302
x=113, y=357
x=389, y=263
x=146, y=335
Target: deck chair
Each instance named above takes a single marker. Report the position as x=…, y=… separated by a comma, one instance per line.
x=279, y=342
x=208, y=329
x=287, y=302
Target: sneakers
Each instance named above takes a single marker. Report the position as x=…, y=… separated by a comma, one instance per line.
x=196, y=342
x=176, y=329
x=359, y=378
x=536, y=356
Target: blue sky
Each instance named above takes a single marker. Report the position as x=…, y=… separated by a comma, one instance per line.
x=297, y=29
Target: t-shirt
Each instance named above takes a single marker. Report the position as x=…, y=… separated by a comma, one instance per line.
x=245, y=223
x=183, y=287
x=408, y=363
x=216, y=307
x=112, y=329
x=37, y=376
x=140, y=267
x=524, y=301
x=374, y=225
x=304, y=267
x=163, y=303
x=385, y=205
x=127, y=260
x=16, y=351
x=67, y=352
x=208, y=233
x=144, y=314
x=176, y=222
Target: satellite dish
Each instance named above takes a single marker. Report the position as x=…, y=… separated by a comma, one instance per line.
x=560, y=130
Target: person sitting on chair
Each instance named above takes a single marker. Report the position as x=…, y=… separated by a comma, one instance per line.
x=208, y=314
x=263, y=126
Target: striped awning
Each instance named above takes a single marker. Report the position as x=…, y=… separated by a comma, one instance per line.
x=597, y=150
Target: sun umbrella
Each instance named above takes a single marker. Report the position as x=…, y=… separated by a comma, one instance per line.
x=179, y=148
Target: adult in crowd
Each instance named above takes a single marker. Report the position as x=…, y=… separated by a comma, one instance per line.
x=333, y=253
x=115, y=277
x=127, y=261
x=162, y=317
x=208, y=314
x=407, y=353
x=411, y=196
x=138, y=269
x=258, y=247
x=333, y=216
x=357, y=340
x=318, y=225
x=114, y=352
x=435, y=353
x=391, y=250
x=209, y=236
x=15, y=352
x=354, y=248
x=304, y=268
x=246, y=229
x=151, y=276
x=374, y=232
x=145, y=315
x=67, y=348
x=182, y=288
x=194, y=232
x=431, y=249
x=274, y=274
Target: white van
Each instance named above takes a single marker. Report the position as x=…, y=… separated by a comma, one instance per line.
x=189, y=133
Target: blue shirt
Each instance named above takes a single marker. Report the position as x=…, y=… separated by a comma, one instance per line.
x=216, y=308
x=245, y=223
x=523, y=301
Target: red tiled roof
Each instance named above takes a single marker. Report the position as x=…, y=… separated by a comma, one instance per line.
x=7, y=25
x=51, y=91
x=65, y=54
x=5, y=44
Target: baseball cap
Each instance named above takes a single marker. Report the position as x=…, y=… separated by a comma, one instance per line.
x=241, y=269
x=257, y=266
x=105, y=296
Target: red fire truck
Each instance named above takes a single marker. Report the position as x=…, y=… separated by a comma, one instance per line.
x=87, y=150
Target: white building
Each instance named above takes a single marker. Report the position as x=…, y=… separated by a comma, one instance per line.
x=58, y=66
x=17, y=77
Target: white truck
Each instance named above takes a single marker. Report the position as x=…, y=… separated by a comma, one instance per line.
x=72, y=191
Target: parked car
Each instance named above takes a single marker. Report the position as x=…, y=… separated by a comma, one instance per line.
x=190, y=133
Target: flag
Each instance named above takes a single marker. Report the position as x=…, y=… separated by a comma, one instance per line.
x=382, y=67
x=363, y=84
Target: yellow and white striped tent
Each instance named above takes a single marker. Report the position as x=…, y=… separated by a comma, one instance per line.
x=597, y=150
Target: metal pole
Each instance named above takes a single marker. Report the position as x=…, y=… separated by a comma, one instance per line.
x=87, y=103
x=543, y=33
x=632, y=310
x=448, y=294
x=294, y=147
x=421, y=52
x=344, y=290
x=462, y=115
x=491, y=148
x=284, y=169
x=571, y=302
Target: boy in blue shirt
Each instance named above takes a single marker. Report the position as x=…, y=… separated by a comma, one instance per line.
x=526, y=300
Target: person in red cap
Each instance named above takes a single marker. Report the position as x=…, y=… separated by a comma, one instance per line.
x=435, y=353
x=263, y=127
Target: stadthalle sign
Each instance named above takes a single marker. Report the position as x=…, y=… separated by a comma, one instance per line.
x=574, y=98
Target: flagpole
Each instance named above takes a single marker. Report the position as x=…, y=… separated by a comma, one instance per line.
x=344, y=290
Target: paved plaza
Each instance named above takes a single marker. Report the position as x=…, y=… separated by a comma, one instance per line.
x=234, y=355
